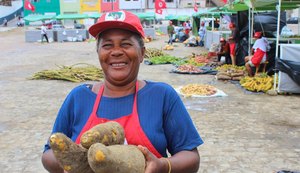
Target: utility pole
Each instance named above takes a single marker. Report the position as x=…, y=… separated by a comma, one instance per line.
x=112, y=5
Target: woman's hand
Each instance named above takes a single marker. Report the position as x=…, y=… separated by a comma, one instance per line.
x=153, y=164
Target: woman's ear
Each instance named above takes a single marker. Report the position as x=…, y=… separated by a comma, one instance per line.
x=143, y=51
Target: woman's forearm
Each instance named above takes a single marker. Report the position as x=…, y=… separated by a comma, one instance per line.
x=185, y=161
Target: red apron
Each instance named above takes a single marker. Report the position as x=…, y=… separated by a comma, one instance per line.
x=133, y=131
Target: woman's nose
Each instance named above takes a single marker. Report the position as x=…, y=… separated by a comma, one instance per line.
x=117, y=51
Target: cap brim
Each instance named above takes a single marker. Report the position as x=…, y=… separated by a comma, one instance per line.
x=97, y=28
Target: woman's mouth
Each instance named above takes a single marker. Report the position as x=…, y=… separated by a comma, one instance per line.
x=118, y=64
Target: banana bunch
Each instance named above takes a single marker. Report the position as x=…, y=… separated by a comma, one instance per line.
x=226, y=67
x=257, y=83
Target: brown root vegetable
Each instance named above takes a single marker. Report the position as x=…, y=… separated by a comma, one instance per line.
x=116, y=158
x=223, y=77
x=109, y=133
x=237, y=78
x=71, y=157
x=238, y=74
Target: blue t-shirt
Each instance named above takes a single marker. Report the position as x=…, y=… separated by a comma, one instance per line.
x=162, y=115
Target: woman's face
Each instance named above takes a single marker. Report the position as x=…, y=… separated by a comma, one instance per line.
x=120, y=56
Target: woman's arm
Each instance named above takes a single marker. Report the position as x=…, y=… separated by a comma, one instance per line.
x=50, y=163
x=183, y=161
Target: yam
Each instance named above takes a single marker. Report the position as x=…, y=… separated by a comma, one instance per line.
x=237, y=78
x=116, y=159
x=71, y=157
x=109, y=133
x=237, y=74
x=223, y=77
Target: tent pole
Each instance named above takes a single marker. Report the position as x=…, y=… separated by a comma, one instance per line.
x=278, y=6
x=298, y=21
x=249, y=31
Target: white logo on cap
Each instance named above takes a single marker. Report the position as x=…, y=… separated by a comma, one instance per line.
x=111, y=16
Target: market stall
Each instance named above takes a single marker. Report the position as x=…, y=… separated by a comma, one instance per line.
x=213, y=34
x=177, y=20
x=259, y=5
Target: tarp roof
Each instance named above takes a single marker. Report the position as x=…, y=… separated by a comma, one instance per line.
x=177, y=17
x=72, y=16
x=214, y=12
x=34, y=18
x=146, y=16
x=95, y=15
x=261, y=5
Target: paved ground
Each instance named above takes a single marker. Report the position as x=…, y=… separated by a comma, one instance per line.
x=242, y=132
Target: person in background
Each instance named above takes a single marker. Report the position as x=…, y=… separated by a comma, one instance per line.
x=152, y=113
x=187, y=28
x=191, y=41
x=224, y=51
x=171, y=32
x=201, y=32
x=259, y=51
x=232, y=50
x=44, y=33
x=5, y=21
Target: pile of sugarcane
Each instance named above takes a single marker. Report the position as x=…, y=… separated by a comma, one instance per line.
x=74, y=73
x=153, y=52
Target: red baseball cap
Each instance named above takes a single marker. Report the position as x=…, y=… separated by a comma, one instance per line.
x=231, y=25
x=222, y=39
x=117, y=19
x=257, y=35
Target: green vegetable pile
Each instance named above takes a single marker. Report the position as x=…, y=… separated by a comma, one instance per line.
x=74, y=73
x=164, y=59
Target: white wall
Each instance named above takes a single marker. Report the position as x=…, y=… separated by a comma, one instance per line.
x=131, y=4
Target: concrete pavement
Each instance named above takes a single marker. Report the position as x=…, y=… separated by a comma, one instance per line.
x=243, y=133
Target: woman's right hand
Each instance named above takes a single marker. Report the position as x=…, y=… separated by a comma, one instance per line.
x=153, y=164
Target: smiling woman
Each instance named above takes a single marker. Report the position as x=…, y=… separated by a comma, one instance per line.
x=152, y=114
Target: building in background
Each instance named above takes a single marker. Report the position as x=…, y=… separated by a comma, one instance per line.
x=44, y=7
x=110, y=5
x=90, y=7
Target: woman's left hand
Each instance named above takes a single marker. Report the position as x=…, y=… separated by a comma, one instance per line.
x=153, y=164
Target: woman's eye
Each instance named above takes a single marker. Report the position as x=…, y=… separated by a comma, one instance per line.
x=106, y=45
x=126, y=44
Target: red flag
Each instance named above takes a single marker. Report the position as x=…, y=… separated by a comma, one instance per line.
x=29, y=6
x=195, y=7
x=160, y=4
x=158, y=11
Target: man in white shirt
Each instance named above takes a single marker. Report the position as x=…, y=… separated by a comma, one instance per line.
x=44, y=33
x=260, y=53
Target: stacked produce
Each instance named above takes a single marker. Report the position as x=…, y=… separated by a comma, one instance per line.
x=153, y=52
x=93, y=156
x=230, y=72
x=186, y=68
x=74, y=73
x=156, y=56
x=198, y=89
x=148, y=39
x=165, y=59
x=168, y=47
x=196, y=60
x=259, y=83
x=213, y=65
